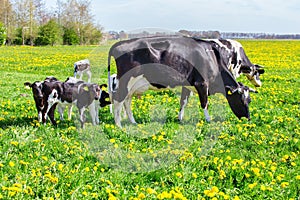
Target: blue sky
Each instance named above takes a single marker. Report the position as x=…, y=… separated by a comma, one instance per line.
x=269, y=16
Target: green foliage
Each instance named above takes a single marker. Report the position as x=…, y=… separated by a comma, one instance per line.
x=2, y=34
x=70, y=36
x=49, y=34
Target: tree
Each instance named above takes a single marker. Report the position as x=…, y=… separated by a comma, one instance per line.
x=49, y=34
x=2, y=34
x=7, y=17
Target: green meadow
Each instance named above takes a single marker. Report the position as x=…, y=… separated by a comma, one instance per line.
x=160, y=158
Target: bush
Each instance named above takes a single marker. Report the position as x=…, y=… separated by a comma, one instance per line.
x=70, y=36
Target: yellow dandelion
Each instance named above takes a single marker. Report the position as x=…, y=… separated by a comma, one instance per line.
x=194, y=175
x=284, y=184
x=112, y=140
x=11, y=164
x=179, y=174
x=15, y=143
x=251, y=186
x=141, y=196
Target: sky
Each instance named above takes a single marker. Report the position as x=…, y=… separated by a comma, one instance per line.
x=251, y=16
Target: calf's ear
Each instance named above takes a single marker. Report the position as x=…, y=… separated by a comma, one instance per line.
x=27, y=84
x=103, y=85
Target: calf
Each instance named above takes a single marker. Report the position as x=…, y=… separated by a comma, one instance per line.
x=81, y=94
x=37, y=88
x=81, y=67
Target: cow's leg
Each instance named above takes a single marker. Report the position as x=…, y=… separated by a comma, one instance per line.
x=81, y=116
x=127, y=105
x=202, y=89
x=185, y=94
x=117, y=112
x=70, y=111
x=93, y=112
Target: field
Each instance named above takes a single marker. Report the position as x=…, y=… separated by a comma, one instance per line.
x=160, y=158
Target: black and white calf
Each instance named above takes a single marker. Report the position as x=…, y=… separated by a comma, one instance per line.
x=167, y=62
x=37, y=92
x=81, y=67
x=36, y=88
x=81, y=94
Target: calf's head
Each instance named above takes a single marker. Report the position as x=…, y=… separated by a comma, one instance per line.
x=239, y=99
x=37, y=92
x=104, y=97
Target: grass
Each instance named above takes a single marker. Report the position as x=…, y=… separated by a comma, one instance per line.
x=159, y=158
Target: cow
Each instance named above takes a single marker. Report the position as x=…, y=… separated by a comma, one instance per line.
x=81, y=94
x=237, y=62
x=81, y=67
x=167, y=62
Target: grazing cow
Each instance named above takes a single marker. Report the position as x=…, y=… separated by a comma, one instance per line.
x=36, y=88
x=81, y=94
x=167, y=62
x=81, y=67
x=237, y=62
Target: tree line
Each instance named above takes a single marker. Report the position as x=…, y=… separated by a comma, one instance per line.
x=28, y=22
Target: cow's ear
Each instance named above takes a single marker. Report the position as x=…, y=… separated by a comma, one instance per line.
x=103, y=85
x=27, y=84
x=245, y=69
x=260, y=69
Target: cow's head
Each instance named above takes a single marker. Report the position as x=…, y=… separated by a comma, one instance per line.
x=239, y=99
x=253, y=74
x=104, y=97
x=37, y=92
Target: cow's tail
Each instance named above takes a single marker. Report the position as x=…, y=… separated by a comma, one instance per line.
x=108, y=75
x=109, y=80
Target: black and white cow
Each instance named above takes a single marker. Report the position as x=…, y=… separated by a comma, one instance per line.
x=238, y=63
x=234, y=57
x=81, y=67
x=167, y=62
